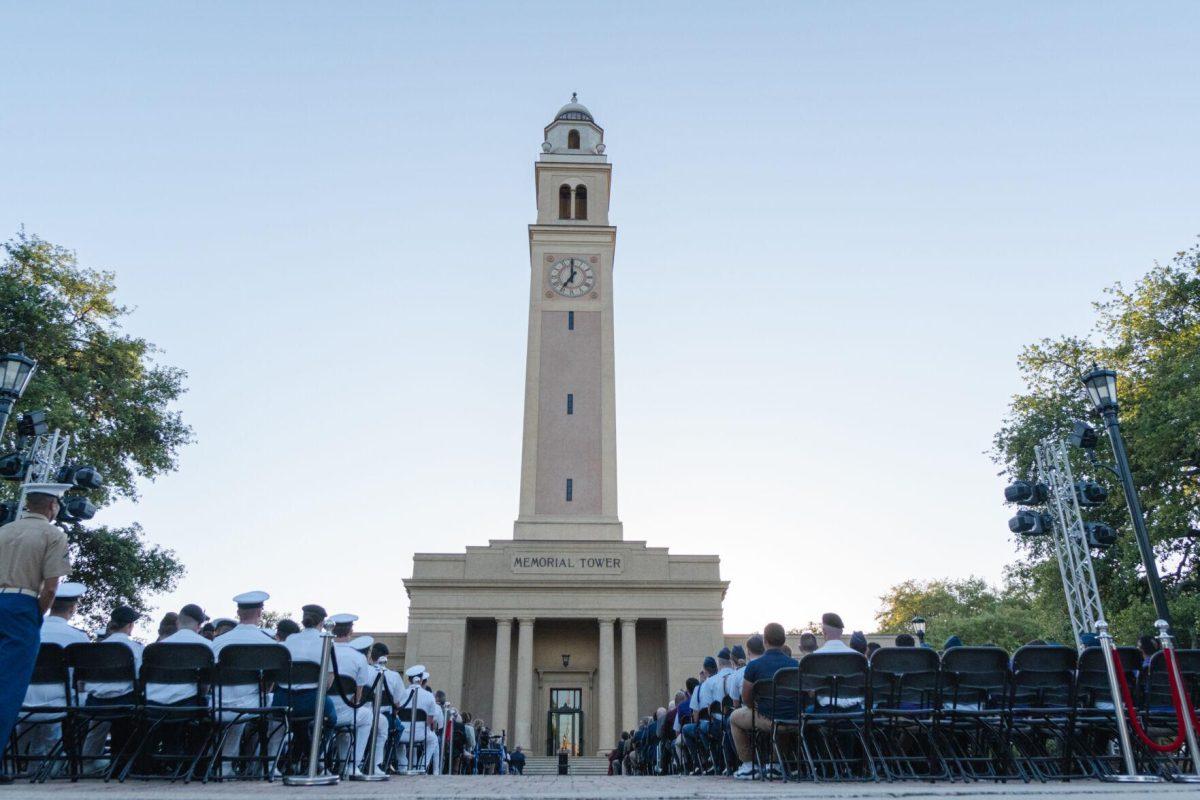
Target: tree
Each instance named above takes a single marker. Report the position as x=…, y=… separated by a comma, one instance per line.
x=102, y=386
x=1150, y=335
x=969, y=608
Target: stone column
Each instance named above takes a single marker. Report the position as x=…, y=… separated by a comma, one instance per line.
x=500, y=680
x=522, y=731
x=629, y=687
x=606, y=713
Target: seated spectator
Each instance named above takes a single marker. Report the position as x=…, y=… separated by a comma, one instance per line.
x=168, y=625
x=872, y=648
x=808, y=643
x=952, y=641
x=748, y=718
x=1149, y=646
x=831, y=628
x=905, y=640
x=285, y=628
x=617, y=755
x=858, y=642
x=516, y=761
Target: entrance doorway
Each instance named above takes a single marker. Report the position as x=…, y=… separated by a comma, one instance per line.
x=564, y=722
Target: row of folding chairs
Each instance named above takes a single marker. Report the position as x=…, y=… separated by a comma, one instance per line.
x=973, y=713
x=182, y=740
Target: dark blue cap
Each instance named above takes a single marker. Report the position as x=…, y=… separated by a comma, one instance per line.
x=710, y=664
x=739, y=652
x=723, y=654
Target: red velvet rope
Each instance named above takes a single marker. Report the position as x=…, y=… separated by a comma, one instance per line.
x=1181, y=704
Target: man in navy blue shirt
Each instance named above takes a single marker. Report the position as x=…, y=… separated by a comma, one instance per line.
x=743, y=721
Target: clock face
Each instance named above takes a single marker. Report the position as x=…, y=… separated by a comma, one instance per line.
x=572, y=277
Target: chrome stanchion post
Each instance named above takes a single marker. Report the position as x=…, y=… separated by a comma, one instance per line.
x=1189, y=730
x=1114, y=689
x=314, y=752
x=370, y=774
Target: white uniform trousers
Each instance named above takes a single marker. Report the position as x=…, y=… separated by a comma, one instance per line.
x=421, y=733
x=361, y=721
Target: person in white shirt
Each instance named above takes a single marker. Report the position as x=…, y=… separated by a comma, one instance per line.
x=352, y=664
x=114, y=693
x=302, y=697
x=377, y=657
x=248, y=631
x=421, y=699
x=191, y=617
x=56, y=629
x=832, y=628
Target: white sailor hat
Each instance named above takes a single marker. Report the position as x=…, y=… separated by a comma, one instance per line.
x=415, y=671
x=425, y=675
x=343, y=619
x=70, y=591
x=53, y=489
x=253, y=599
x=361, y=642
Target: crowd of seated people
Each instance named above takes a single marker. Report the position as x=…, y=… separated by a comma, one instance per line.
x=228, y=698
x=878, y=713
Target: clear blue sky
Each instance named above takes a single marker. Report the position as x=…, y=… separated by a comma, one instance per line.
x=838, y=224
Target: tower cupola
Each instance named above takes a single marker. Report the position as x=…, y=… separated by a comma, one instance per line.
x=573, y=132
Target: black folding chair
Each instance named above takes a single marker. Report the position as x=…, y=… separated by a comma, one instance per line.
x=834, y=729
x=786, y=701
x=413, y=747
x=241, y=666
x=50, y=673
x=760, y=742
x=297, y=729
x=1158, y=707
x=101, y=662
x=904, y=682
x=972, y=724
x=1096, y=711
x=1043, y=711
x=177, y=734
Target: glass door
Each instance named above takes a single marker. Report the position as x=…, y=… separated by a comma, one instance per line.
x=564, y=723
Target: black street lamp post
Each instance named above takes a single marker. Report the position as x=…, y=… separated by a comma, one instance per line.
x=15, y=371
x=1102, y=388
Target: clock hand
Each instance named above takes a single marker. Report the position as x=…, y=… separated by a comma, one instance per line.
x=571, y=279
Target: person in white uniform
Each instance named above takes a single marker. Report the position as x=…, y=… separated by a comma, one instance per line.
x=56, y=629
x=377, y=657
x=111, y=693
x=248, y=631
x=302, y=697
x=421, y=699
x=353, y=664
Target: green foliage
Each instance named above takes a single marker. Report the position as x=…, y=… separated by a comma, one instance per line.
x=970, y=609
x=1150, y=335
x=103, y=387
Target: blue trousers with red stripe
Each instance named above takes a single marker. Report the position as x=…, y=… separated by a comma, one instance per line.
x=20, y=638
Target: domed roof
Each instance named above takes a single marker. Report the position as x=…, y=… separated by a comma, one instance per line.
x=574, y=110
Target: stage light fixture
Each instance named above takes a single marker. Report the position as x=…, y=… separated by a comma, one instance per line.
x=83, y=477
x=74, y=508
x=1083, y=436
x=12, y=467
x=33, y=423
x=1031, y=523
x=1026, y=493
x=1090, y=493
x=1099, y=535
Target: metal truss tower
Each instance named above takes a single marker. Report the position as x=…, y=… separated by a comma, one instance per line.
x=1070, y=538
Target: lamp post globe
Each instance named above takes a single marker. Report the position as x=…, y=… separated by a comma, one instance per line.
x=15, y=371
x=1101, y=387
x=918, y=626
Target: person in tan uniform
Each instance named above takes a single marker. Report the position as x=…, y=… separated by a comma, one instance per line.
x=33, y=557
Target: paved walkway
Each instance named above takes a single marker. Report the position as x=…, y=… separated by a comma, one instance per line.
x=584, y=788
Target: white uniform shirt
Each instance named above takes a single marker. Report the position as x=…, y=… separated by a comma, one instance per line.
x=241, y=696
x=733, y=683
x=116, y=689
x=55, y=630
x=425, y=702
x=353, y=664
x=167, y=693
x=395, y=684
x=716, y=684
x=304, y=646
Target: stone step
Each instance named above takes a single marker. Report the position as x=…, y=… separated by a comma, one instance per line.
x=577, y=765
